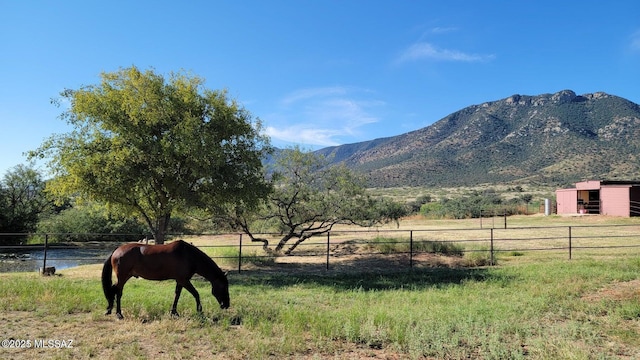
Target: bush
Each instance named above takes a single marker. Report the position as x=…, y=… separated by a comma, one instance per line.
x=416, y=205
x=394, y=245
x=478, y=257
x=90, y=223
x=474, y=206
x=433, y=210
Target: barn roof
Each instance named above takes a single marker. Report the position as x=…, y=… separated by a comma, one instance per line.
x=597, y=184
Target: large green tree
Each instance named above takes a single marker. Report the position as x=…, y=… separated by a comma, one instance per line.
x=309, y=198
x=151, y=145
x=22, y=201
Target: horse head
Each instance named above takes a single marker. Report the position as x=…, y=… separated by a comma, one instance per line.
x=220, y=290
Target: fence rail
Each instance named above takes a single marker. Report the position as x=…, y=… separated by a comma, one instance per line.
x=401, y=247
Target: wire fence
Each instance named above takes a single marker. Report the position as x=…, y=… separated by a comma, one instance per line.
x=353, y=249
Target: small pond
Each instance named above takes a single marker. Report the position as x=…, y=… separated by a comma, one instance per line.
x=31, y=259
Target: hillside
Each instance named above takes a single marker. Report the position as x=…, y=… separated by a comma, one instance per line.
x=551, y=139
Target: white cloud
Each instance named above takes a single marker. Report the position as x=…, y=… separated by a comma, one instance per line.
x=324, y=116
x=443, y=30
x=426, y=50
x=305, y=94
x=298, y=134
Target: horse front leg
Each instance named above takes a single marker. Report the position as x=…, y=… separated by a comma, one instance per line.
x=174, y=308
x=195, y=294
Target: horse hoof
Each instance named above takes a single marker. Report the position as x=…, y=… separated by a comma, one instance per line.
x=108, y=312
x=175, y=314
x=120, y=317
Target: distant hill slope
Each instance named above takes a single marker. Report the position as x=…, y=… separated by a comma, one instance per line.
x=552, y=139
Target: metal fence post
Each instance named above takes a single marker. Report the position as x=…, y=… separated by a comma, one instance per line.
x=570, y=245
x=491, y=249
x=411, y=249
x=328, y=242
x=240, y=255
x=44, y=258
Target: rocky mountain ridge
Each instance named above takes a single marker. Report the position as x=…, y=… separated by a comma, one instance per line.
x=552, y=139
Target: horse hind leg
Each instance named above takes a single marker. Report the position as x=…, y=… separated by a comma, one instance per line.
x=111, y=297
x=118, y=294
x=118, y=308
x=174, y=308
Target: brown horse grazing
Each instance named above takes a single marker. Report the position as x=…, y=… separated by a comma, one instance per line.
x=178, y=260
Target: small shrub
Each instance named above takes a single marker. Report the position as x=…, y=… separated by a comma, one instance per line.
x=385, y=245
x=438, y=247
x=478, y=257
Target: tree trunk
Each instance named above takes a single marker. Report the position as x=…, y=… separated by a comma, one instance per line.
x=159, y=237
x=265, y=243
x=162, y=225
x=283, y=242
x=295, y=245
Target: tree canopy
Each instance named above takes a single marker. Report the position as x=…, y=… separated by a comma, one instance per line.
x=309, y=199
x=22, y=201
x=151, y=145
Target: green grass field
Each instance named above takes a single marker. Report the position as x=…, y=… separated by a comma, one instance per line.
x=545, y=308
x=560, y=309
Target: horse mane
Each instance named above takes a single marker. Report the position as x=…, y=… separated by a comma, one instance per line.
x=210, y=270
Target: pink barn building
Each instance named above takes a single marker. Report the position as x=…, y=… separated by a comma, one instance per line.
x=616, y=198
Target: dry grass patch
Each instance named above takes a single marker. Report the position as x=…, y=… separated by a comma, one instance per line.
x=98, y=337
x=616, y=291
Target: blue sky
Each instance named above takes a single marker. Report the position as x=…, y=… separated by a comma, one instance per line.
x=317, y=73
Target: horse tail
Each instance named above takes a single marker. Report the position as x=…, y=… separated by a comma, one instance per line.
x=107, y=285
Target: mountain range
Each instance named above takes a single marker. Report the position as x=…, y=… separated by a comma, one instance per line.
x=549, y=139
